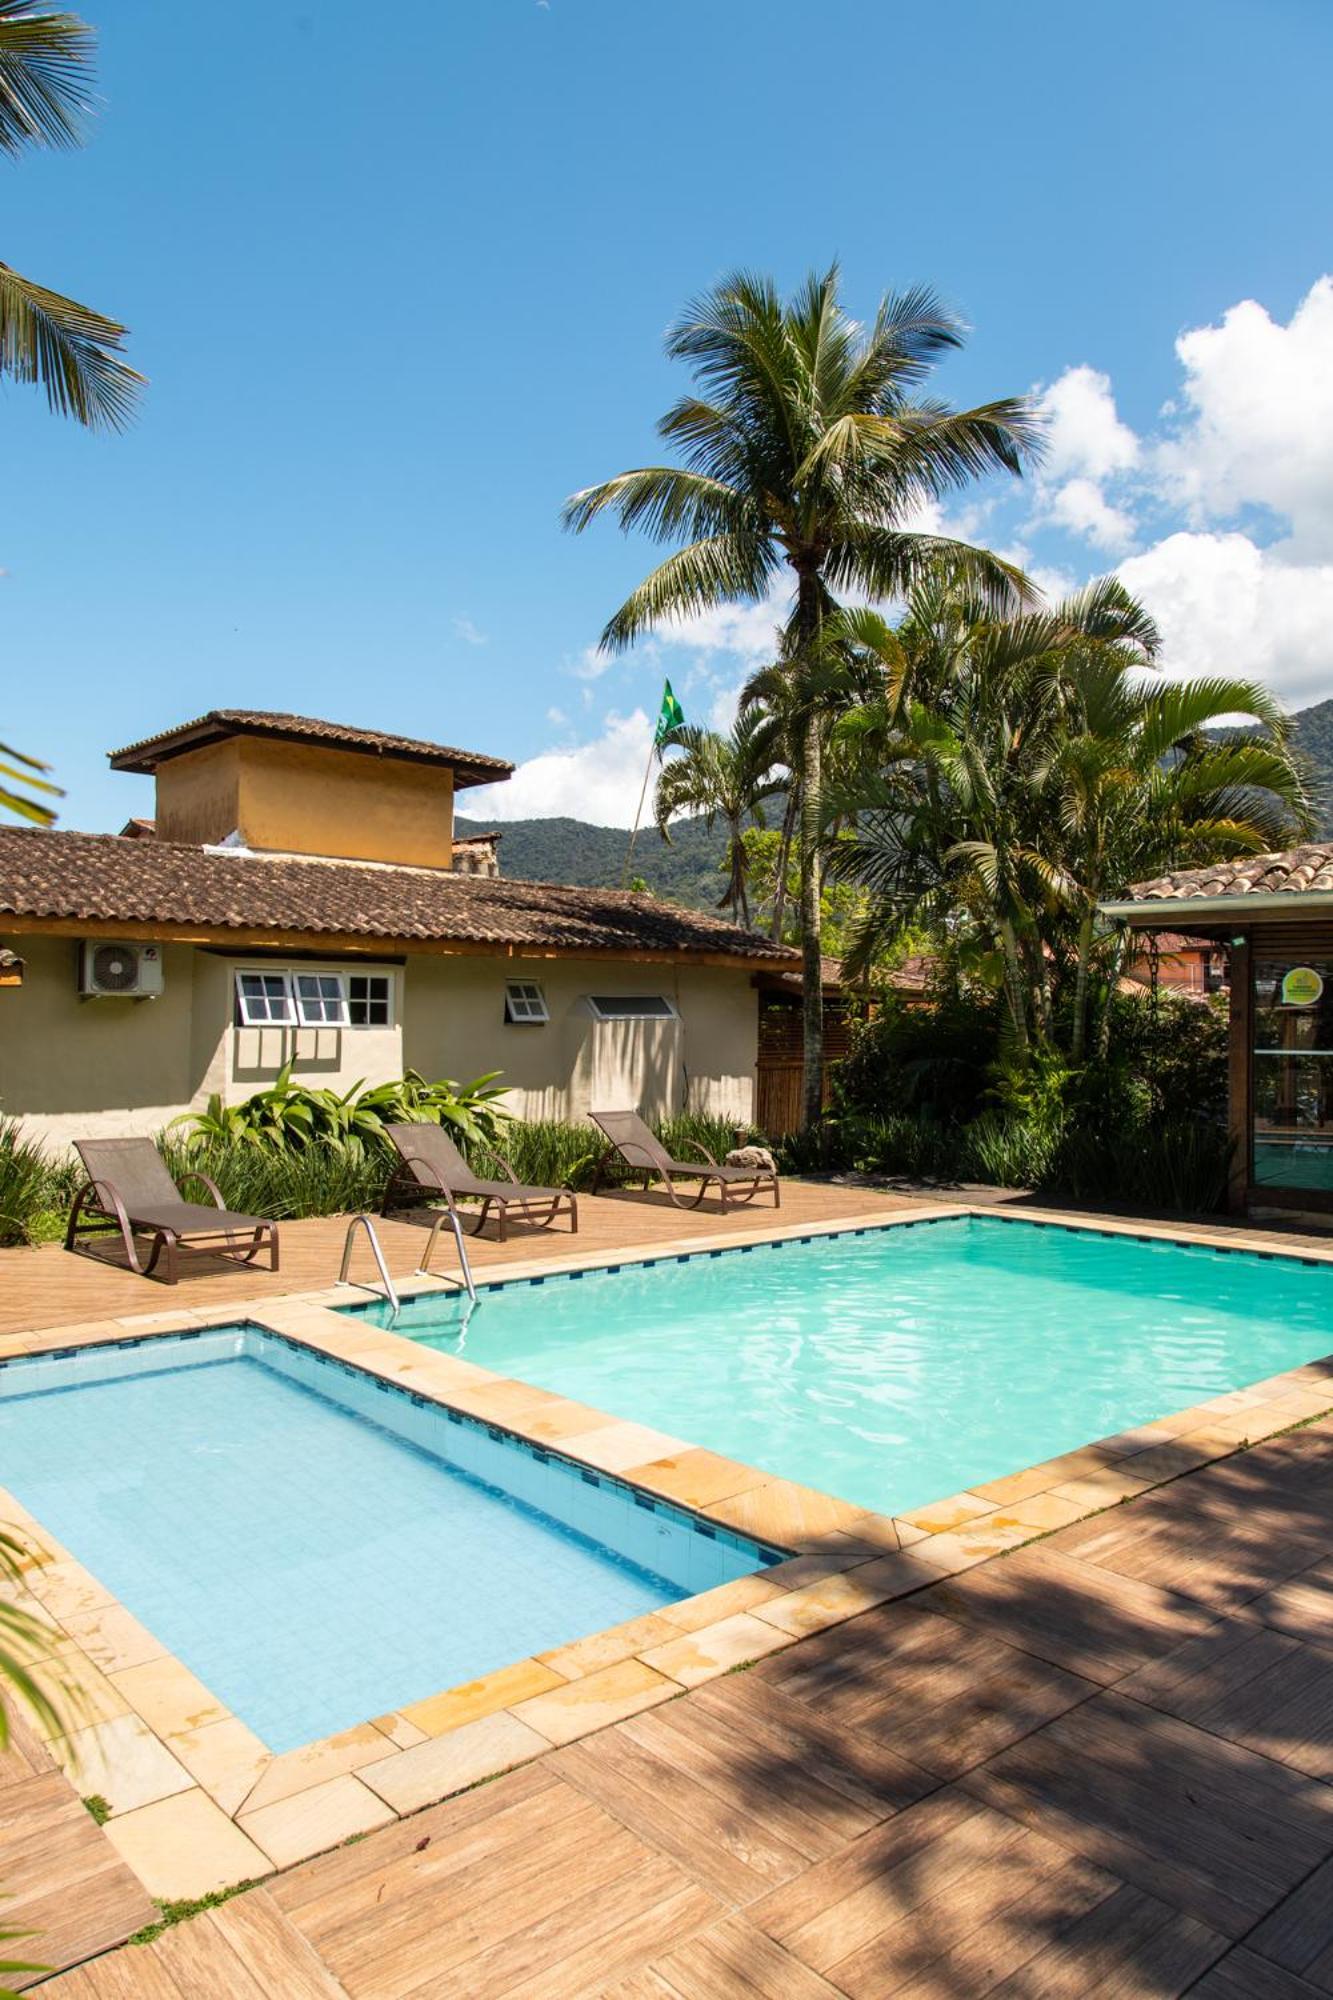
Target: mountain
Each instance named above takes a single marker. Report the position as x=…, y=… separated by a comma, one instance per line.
x=687, y=871
x=593, y=857
x=1312, y=733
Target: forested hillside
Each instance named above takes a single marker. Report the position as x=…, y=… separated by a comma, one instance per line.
x=687, y=871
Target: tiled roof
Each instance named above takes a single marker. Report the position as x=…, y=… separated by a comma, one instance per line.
x=470, y=767
x=1299, y=871
x=163, y=885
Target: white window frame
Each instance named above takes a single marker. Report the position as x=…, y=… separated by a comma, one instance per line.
x=632, y=1007
x=525, y=1004
x=282, y=985
x=320, y=1000
x=271, y=979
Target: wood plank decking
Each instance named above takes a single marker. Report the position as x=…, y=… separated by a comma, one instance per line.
x=1100, y=1766
x=49, y=1286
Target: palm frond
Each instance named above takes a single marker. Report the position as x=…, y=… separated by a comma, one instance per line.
x=18, y=769
x=69, y=350
x=721, y=569
x=46, y=89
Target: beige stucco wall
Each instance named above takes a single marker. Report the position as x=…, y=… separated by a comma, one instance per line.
x=71, y=1067
x=302, y=798
x=455, y=1027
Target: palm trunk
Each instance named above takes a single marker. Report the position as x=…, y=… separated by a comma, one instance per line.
x=1112, y=982
x=1015, y=985
x=789, y=818
x=808, y=605
x=812, y=991
x=1078, y=1040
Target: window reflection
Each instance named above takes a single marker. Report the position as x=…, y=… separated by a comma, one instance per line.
x=1293, y=1073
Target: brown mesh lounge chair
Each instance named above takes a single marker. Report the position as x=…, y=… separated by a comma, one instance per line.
x=130, y=1192
x=430, y=1165
x=633, y=1142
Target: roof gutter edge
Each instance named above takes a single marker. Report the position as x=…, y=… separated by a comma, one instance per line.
x=1176, y=913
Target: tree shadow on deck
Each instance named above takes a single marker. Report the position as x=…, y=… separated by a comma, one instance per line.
x=1095, y=1764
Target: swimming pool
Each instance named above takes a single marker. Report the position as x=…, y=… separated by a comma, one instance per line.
x=319, y=1546
x=894, y=1366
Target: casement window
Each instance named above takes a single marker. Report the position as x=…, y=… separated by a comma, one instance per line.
x=291, y=999
x=525, y=1003
x=631, y=1007
x=264, y=999
x=321, y=999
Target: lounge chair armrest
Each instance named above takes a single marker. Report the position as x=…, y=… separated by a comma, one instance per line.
x=437, y=1188
x=107, y=1200
x=702, y=1151
x=497, y=1159
x=205, y=1180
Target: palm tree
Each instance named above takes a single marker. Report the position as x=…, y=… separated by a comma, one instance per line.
x=1021, y=770
x=73, y=352
x=721, y=777
x=808, y=456
x=18, y=769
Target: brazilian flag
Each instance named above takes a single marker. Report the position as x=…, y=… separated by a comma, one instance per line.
x=671, y=717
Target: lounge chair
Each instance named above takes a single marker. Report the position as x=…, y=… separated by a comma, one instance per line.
x=633, y=1142
x=431, y=1166
x=129, y=1192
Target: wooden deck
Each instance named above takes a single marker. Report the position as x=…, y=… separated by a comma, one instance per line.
x=1102, y=1765
x=50, y=1286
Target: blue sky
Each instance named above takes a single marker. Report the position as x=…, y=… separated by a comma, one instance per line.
x=399, y=280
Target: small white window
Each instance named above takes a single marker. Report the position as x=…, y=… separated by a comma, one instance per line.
x=525, y=1002
x=631, y=1007
x=369, y=1003
x=321, y=1000
x=264, y=999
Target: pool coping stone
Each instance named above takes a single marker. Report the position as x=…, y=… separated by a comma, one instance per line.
x=842, y=1560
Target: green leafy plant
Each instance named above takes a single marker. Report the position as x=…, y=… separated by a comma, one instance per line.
x=98, y=1807
x=289, y=1116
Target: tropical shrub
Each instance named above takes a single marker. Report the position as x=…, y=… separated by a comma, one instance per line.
x=33, y=1186
x=294, y=1115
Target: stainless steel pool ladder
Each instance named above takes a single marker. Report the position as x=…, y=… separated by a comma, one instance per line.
x=448, y=1214
x=364, y=1222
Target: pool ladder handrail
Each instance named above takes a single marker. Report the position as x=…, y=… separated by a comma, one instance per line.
x=364, y=1222
x=447, y=1214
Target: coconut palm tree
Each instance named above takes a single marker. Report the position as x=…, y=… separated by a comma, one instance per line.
x=72, y=352
x=721, y=777
x=808, y=457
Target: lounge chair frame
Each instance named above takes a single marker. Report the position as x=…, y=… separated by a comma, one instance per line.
x=104, y=1207
x=426, y=1172
x=631, y=1141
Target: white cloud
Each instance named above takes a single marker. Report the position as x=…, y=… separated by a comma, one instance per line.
x=471, y=633
x=1084, y=436
x=1083, y=509
x=1227, y=606
x=1257, y=423
x=597, y=781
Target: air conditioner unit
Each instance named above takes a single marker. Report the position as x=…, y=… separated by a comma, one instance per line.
x=109, y=969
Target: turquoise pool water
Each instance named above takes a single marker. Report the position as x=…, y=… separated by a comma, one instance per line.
x=320, y=1548
x=895, y=1366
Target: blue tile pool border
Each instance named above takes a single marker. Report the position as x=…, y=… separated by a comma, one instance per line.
x=364, y=1308
x=766, y=1554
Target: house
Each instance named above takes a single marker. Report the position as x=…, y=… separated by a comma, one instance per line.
x=1175, y=962
x=295, y=899
x=1273, y=914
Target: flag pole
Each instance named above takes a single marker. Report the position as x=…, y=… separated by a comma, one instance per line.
x=638, y=815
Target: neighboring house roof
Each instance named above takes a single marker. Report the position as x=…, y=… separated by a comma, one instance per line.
x=1300, y=877
x=477, y=839
x=469, y=767
x=139, y=829
x=911, y=976
x=168, y=888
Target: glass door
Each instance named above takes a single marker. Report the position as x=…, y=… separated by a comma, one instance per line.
x=1293, y=1074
